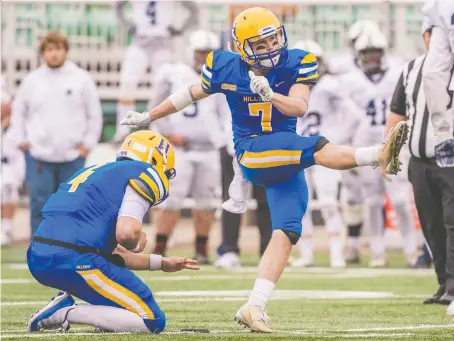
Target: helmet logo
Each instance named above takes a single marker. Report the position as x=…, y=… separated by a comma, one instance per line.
x=267, y=29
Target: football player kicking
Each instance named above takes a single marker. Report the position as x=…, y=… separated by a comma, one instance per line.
x=89, y=239
x=267, y=88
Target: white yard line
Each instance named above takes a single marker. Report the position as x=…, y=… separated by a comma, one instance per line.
x=378, y=329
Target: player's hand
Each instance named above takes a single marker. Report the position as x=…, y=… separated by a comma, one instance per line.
x=173, y=264
x=385, y=175
x=142, y=243
x=83, y=151
x=176, y=140
x=260, y=85
x=136, y=119
x=24, y=146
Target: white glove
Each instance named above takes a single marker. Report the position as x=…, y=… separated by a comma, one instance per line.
x=238, y=191
x=260, y=85
x=136, y=119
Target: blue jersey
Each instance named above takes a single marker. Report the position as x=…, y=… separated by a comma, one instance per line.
x=227, y=73
x=84, y=209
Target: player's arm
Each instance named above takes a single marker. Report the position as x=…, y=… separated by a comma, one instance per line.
x=296, y=103
x=436, y=72
x=398, y=106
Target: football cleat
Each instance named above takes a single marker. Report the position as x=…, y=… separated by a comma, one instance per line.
x=450, y=310
x=228, y=261
x=377, y=262
x=352, y=256
x=338, y=263
x=388, y=158
x=254, y=318
x=301, y=263
x=53, y=315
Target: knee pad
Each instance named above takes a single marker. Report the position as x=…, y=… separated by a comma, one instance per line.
x=354, y=230
x=293, y=236
x=158, y=324
x=353, y=214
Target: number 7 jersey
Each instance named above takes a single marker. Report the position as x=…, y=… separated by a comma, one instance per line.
x=225, y=72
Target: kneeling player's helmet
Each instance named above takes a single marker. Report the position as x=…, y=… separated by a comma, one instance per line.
x=260, y=38
x=150, y=147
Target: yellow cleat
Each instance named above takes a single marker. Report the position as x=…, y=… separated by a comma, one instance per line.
x=389, y=153
x=254, y=318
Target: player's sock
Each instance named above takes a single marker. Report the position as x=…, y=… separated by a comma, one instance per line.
x=407, y=228
x=335, y=248
x=201, y=248
x=261, y=293
x=161, y=244
x=306, y=249
x=354, y=232
x=7, y=226
x=106, y=318
x=367, y=156
x=353, y=242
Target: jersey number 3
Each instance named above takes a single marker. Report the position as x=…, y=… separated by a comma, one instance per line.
x=81, y=178
x=264, y=110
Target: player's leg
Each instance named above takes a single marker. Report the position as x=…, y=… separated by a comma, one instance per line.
x=374, y=222
x=228, y=251
x=263, y=216
x=206, y=179
x=288, y=203
x=305, y=244
x=353, y=211
x=327, y=183
x=10, y=199
x=132, y=69
x=118, y=300
x=169, y=212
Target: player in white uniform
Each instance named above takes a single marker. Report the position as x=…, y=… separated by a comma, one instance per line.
x=437, y=77
x=12, y=171
x=196, y=134
x=371, y=88
x=330, y=113
x=153, y=27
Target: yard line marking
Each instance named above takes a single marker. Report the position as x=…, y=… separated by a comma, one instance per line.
x=44, y=335
x=424, y=326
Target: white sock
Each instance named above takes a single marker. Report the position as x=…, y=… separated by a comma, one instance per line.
x=335, y=248
x=261, y=293
x=306, y=249
x=121, y=131
x=107, y=318
x=353, y=243
x=367, y=156
x=7, y=226
x=407, y=228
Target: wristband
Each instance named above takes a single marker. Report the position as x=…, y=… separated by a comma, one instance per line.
x=155, y=262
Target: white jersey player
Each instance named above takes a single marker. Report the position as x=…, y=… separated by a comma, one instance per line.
x=437, y=77
x=12, y=170
x=329, y=114
x=371, y=88
x=347, y=62
x=153, y=28
x=196, y=134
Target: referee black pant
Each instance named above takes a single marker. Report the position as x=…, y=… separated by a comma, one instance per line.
x=434, y=196
x=231, y=222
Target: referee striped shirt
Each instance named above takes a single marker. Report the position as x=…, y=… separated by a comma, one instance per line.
x=409, y=100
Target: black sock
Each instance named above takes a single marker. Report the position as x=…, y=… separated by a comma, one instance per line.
x=161, y=244
x=201, y=245
x=354, y=230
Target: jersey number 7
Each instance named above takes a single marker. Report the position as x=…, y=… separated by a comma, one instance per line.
x=264, y=110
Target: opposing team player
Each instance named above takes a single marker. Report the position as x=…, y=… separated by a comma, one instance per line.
x=90, y=238
x=329, y=109
x=12, y=170
x=196, y=134
x=153, y=28
x=267, y=88
x=371, y=88
x=437, y=77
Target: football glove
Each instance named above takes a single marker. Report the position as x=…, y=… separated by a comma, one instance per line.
x=136, y=119
x=260, y=85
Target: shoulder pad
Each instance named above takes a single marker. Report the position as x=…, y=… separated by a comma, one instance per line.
x=303, y=66
x=218, y=65
x=152, y=185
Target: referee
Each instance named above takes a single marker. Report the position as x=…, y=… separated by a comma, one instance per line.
x=433, y=186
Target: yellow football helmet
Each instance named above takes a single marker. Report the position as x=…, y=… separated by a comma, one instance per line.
x=255, y=24
x=150, y=147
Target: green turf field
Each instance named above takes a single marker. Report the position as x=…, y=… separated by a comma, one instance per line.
x=313, y=304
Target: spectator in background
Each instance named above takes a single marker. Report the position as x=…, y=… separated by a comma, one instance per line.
x=56, y=121
x=12, y=171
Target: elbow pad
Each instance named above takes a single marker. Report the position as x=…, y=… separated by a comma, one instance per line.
x=182, y=98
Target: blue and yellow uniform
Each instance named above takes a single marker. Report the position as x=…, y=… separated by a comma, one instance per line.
x=83, y=212
x=267, y=147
